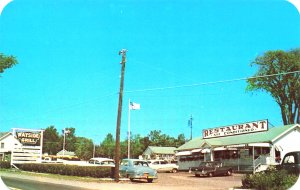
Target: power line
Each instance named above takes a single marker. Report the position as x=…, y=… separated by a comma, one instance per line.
x=209, y=83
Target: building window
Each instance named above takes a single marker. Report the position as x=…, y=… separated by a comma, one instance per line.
x=2, y=145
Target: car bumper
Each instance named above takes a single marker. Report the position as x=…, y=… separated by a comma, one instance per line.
x=144, y=176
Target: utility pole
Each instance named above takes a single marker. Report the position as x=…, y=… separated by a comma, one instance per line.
x=190, y=123
x=117, y=148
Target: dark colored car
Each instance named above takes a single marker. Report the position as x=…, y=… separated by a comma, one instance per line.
x=210, y=169
x=291, y=163
x=137, y=169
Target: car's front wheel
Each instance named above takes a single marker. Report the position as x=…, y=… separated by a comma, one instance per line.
x=211, y=174
x=149, y=180
x=174, y=170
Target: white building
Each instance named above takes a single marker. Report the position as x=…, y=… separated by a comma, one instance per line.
x=251, y=151
x=7, y=143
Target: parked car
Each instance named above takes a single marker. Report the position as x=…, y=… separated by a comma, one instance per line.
x=163, y=166
x=211, y=169
x=102, y=162
x=137, y=169
x=291, y=163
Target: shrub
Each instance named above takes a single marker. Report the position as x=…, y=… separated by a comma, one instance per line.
x=72, y=170
x=269, y=180
x=4, y=164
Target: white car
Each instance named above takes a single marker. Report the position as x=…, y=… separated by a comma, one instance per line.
x=163, y=166
x=102, y=162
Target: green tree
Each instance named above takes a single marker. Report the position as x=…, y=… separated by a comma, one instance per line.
x=137, y=147
x=6, y=62
x=107, y=146
x=284, y=88
x=84, y=148
x=51, y=141
x=70, y=139
x=180, y=140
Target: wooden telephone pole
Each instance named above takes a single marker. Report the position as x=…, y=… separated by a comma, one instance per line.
x=117, y=148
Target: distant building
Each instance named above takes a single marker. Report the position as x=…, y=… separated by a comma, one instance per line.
x=7, y=143
x=157, y=152
x=65, y=153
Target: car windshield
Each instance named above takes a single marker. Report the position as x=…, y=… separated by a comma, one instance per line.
x=206, y=164
x=124, y=163
x=108, y=162
x=140, y=163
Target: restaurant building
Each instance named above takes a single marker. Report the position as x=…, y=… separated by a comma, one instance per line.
x=251, y=146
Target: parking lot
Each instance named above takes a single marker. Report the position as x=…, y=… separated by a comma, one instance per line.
x=187, y=181
x=165, y=181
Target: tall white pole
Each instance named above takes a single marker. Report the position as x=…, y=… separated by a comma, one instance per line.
x=128, y=129
x=94, y=150
x=64, y=142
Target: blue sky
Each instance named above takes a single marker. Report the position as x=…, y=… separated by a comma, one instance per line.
x=69, y=73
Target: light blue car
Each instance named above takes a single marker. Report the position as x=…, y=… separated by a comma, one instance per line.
x=137, y=169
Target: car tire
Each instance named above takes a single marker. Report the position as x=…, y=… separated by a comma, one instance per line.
x=149, y=180
x=211, y=174
x=174, y=170
x=131, y=179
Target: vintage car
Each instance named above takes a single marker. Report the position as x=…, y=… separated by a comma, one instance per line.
x=102, y=162
x=163, y=166
x=211, y=169
x=291, y=163
x=137, y=169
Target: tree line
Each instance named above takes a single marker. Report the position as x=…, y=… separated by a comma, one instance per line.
x=85, y=148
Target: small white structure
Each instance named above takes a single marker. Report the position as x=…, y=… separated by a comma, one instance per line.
x=7, y=143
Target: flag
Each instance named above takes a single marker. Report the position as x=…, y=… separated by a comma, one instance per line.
x=134, y=106
x=66, y=131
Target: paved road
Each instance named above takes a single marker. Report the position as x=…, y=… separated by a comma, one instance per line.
x=25, y=184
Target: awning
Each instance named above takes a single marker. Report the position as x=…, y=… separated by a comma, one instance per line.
x=220, y=148
x=183, y=153
x=205, y=151
x=196, y=150
x=260, y=144
x=223, y=148
x=236, y=145
x=231, y=148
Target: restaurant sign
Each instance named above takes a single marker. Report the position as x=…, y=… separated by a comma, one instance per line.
x=236, y=129
x=29, y=138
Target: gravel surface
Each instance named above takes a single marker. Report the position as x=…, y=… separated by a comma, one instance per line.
x=165, y=181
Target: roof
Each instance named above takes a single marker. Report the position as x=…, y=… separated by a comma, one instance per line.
x=101, y=159
x=260, y=137
x=162, y=150
x=3, y=134
x=66, y=153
